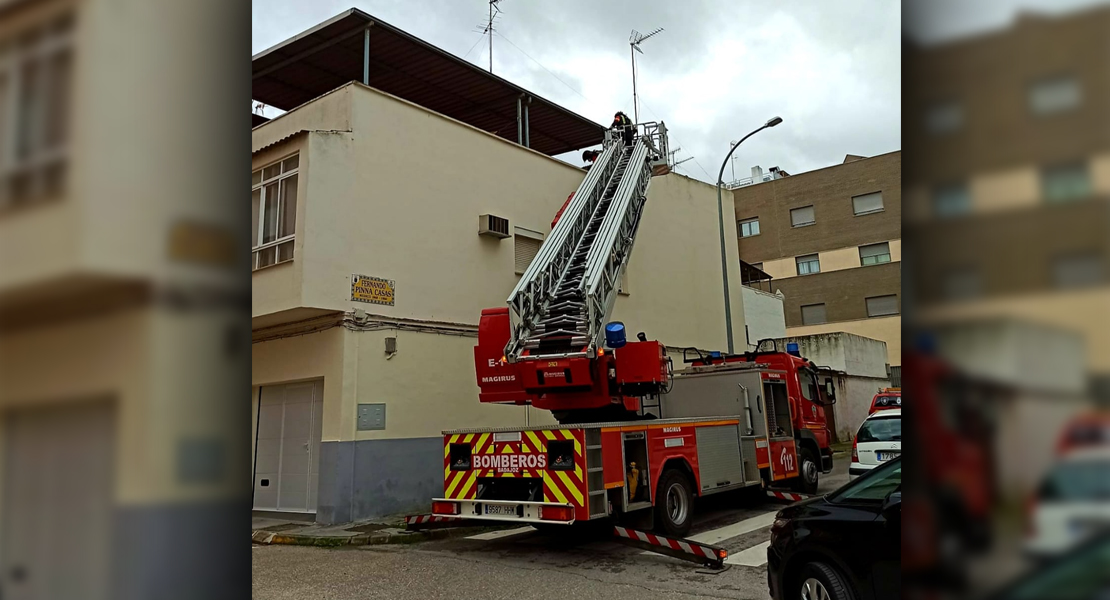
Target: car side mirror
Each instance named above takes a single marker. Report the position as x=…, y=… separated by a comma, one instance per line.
x=892, y=506
x=830, y=389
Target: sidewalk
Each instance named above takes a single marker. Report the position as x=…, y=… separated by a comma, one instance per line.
x=265, y=530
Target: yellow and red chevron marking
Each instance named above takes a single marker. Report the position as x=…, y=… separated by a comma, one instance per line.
x=526, y=445
x=461, y=485
x=564, y=487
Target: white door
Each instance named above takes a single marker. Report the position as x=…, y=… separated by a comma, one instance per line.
x=57, y=504
x=287, y=461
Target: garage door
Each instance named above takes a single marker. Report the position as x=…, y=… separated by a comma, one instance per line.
x=57, y=504
x=287, y=461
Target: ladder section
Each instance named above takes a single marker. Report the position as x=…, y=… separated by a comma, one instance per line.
x=569, y=322
x=563, y=327
x=540, y=280
x=609, y=255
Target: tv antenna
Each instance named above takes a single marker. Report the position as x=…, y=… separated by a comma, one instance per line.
x=494, y=12
x=634, y=46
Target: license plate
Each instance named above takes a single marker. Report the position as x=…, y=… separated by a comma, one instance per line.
x=501, y=509
x=885, y=456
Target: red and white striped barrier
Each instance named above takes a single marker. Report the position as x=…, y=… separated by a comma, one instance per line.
x=424, y=521
x=788, y=496
x=712, y=556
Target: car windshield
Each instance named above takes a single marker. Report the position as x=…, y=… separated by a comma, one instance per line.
x=888, y=401
x=1084, y=575
x=1088, y=434
x=876, y=485
x=880, y=429
x=1081, y=480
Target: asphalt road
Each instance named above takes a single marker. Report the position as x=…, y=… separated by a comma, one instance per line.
x=526, y=564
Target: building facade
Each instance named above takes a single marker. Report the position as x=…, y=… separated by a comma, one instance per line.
x=1008, y=199
x=830, y=240
x=392, y=226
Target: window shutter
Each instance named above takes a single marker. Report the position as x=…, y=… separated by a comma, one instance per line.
x=802, y=216
x=867, y=203
x=814, y=314
x=874, y=254
x=525, y=249
x=882, y=305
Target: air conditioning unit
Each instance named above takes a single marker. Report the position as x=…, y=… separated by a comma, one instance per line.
x=493, y=226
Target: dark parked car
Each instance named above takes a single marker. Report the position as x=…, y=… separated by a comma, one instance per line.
x=846, y=545
x=1082, y=574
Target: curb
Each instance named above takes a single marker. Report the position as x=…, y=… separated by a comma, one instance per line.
x=268, y=538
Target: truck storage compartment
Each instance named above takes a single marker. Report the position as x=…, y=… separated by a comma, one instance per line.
x=636, y=469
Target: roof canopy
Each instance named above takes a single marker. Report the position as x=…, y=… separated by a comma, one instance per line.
x=330, y=55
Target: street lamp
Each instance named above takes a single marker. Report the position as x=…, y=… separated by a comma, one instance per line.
x=721, y=222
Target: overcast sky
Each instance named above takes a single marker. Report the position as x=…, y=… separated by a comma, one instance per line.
x=720, y=69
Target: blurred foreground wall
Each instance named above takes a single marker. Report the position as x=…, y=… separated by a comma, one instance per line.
x=122, y=320
x=1007, y=268
x=1008, y=199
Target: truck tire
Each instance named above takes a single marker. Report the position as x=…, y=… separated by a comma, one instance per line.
x=674, y=503
x=819, y=580
x=809, y=472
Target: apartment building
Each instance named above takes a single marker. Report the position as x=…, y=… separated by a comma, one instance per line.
x=110, y=426
x=830, y=241
x=403, y=191
x=1008, y=201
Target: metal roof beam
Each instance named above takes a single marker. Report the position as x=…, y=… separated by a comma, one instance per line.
x=310, y=51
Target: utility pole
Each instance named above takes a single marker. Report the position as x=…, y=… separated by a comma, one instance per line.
x=634, y=47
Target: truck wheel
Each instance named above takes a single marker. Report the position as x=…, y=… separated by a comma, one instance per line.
x=674, y=503
x=819, y=581
x=808, y=472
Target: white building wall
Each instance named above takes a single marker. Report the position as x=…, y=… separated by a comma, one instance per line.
x=764, y=316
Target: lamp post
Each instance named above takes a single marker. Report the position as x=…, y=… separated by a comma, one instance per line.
x=721, y=222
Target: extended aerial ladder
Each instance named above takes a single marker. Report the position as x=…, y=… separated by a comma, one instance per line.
x=554, y=328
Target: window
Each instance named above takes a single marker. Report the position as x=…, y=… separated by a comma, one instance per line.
x=874, y=254
x=867, y=203
x=808, y=383
x=748, y=227
x=802, y=216
x=36, y=73
x=874, y=486
x=944, y=117
x=274, y=212
x=951, y=200
x=1077, y=481
x=814, y=314
x=963, y=284
x=808, y=264
x=1079, y=270
x=880, y=429
x=881, y=306
x=1054, y=95
x=1066, y=182
x=526, y=245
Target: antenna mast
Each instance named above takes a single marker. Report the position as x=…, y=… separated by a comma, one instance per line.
x=494, y=11
x=634, y=47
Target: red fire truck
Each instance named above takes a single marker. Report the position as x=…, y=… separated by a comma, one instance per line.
x=634, y=434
